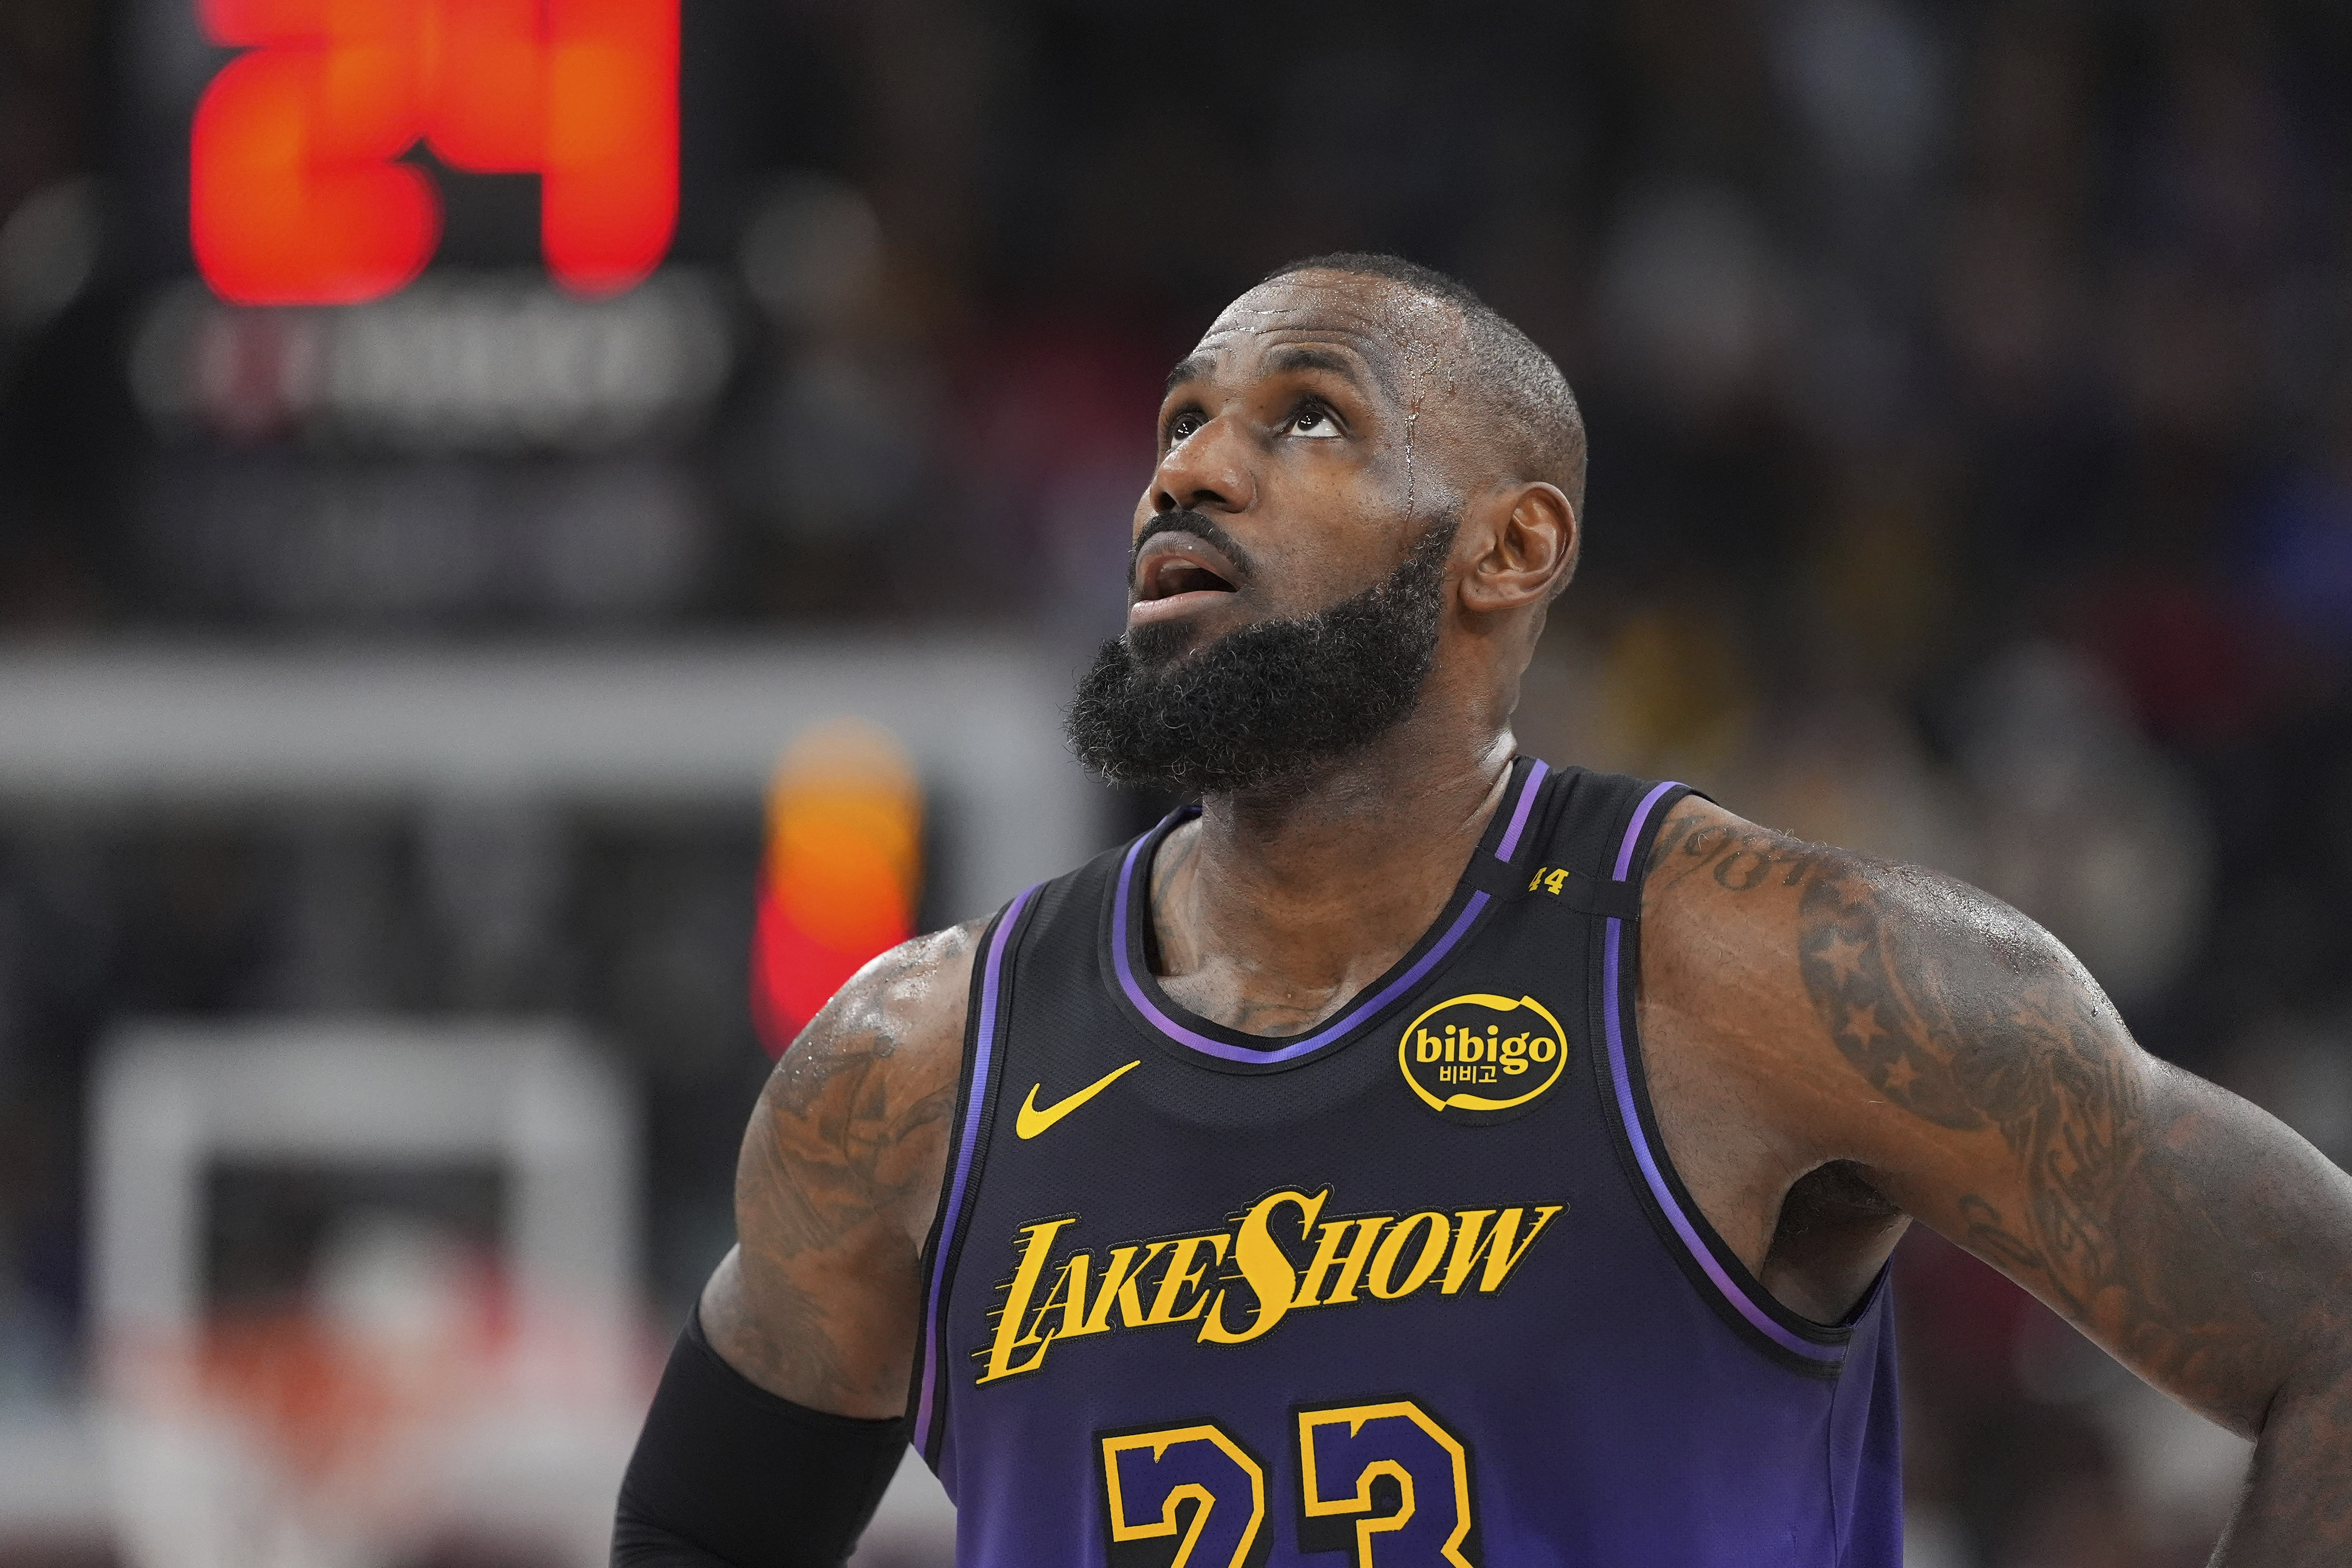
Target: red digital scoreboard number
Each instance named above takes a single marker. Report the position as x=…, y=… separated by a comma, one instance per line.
x=296, y=193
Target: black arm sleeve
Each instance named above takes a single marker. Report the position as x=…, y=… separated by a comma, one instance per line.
x=727, y=1475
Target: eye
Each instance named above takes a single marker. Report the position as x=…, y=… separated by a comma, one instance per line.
x=1314, y=421
x=1183, y=425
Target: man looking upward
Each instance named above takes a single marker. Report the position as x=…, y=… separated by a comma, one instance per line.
x=1416, y=1154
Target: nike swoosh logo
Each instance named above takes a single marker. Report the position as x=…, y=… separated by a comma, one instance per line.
x=1032, y=1120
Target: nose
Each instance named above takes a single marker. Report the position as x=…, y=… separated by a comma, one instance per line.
x=1208, y=470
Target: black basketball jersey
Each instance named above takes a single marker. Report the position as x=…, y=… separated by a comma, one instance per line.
x=1418, y=1285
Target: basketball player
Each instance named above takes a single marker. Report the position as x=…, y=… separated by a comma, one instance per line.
x=1416, y=1154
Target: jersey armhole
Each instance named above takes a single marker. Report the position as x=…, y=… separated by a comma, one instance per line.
x=985, y=1011
x=1817, y=1349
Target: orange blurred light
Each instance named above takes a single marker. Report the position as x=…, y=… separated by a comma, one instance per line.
x=296, y=194
x=608, y=194
x=838, y=882
x=293, y=191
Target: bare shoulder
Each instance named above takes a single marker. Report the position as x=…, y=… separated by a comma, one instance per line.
x=1948, y=1004
x=899, y=1019
x=840, y=1169
x=1974, y=1073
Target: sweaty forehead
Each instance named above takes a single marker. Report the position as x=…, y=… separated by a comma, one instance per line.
x=1402, y=335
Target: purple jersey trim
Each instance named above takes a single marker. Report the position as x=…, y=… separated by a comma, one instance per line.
x=983, y=1054
x=1634, y=828
x=1355, y=1014
x=1621, y=1074
x=1510, y=844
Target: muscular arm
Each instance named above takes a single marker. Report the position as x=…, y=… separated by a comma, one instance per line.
x=836, y=1184
x=777, y=1421
x=1902, y=1025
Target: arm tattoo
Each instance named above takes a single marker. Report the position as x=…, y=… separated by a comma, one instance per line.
x=836, y=1118
x=844, y=1150
x=1964, y=1014
x=2032, y=1058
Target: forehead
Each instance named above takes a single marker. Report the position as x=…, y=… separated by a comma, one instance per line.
x=1397, y=334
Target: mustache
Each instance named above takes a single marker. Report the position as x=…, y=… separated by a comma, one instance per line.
x=1201, y=526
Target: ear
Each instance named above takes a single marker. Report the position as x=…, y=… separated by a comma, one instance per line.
x=1529, y=534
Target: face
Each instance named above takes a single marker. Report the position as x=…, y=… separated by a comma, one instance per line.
x=1298, y=459
x=1288, y=591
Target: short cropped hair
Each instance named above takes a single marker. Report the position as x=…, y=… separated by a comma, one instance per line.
x=1516, y=381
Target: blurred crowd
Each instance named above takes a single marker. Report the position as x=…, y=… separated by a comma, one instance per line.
x=1971, y=433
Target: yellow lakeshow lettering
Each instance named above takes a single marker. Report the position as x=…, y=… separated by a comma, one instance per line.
x=1181, y=1275
x=1383, y=1279
x=1122, y=1281
x=1501, y=1256
x=1326, y=1257
x=1084, y=1314
x=1069, y=1294
x=1468, y=1226
x=1264, y=1266
x=1034, y=1247
x=1187, y=1278
x=1351, y=1266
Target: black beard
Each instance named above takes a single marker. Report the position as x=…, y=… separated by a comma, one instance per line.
x=1264, y=704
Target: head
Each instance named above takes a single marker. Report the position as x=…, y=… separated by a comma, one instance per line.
x=1367, y=494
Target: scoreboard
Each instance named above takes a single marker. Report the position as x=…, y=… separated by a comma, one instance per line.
x=298, y=192
x=435, y=311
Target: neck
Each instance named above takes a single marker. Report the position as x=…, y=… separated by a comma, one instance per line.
x=1273, y=908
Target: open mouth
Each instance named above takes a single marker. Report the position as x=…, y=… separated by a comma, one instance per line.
x=1173, y=565
x=1182, y=577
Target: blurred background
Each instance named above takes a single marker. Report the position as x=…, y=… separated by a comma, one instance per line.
x=487, y=638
